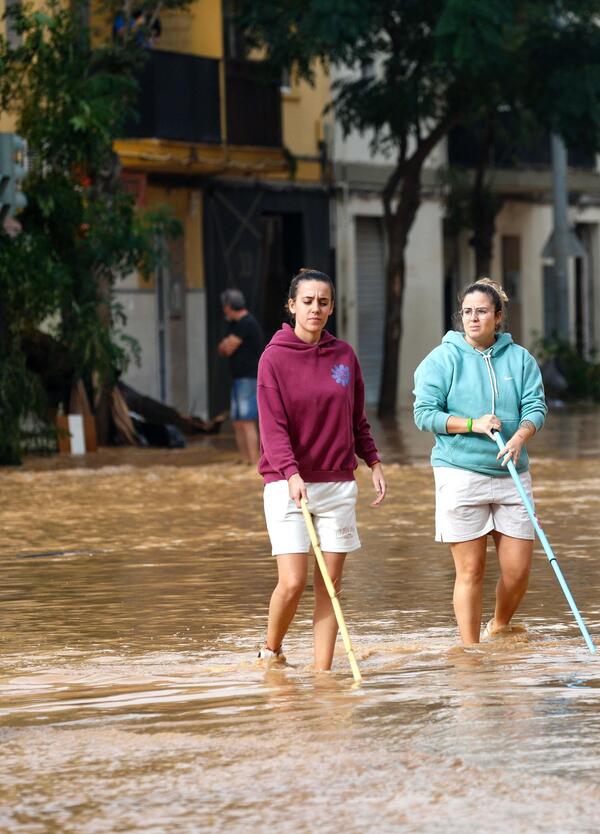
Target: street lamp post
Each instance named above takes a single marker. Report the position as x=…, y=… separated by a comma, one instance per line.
x=560, y=302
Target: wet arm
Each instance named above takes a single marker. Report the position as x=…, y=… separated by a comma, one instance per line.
x=526, y=430
x=457, y=425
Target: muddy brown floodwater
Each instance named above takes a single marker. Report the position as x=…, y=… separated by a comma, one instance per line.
x=133, y=596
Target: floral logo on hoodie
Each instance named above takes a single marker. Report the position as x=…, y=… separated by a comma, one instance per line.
x=341, y=374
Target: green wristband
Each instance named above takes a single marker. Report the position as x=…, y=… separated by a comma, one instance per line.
x=469, y=424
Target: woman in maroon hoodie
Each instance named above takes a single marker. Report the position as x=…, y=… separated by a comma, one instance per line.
x=312, y=424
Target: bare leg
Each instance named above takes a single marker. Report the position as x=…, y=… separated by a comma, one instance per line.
x=324, y=621
x=251, y=440
x=240, y=439
x=514, y=556
x=292, y=569
x=469, y=561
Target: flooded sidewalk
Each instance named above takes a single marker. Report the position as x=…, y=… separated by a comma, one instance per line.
x=134, y=588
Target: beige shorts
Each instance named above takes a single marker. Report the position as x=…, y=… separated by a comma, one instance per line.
x=469, y=505
x=333, y=508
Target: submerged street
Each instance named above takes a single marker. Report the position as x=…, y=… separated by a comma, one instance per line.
x=134, y=588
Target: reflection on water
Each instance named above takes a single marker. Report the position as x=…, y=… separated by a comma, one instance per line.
x=133, y=599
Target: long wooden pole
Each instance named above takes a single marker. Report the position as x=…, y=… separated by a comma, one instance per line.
x=331, y=591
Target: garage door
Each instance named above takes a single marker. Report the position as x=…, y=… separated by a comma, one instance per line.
x=370, y=281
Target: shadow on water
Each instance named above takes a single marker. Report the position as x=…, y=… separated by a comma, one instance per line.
x=134, y=597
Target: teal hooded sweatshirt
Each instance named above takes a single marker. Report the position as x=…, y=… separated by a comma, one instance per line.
x=459, y=380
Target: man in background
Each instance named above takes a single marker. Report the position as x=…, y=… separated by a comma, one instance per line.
x=242, y=346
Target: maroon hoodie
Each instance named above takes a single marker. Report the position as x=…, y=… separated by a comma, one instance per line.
x=311, y=408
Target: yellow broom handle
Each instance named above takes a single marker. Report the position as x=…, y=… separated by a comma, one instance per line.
x=331, y=591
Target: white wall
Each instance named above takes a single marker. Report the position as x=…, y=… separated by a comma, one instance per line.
x=423, y=316
x=356, y=146
x=140, y=309
x=591, y=215
x=533, y=223
x=197, y=359
x=423, y=300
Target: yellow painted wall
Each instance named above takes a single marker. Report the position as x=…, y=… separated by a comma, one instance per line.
x=7, y=122
x=303, y=114
x=187, y=206
x=197, y=31
x=194, y=241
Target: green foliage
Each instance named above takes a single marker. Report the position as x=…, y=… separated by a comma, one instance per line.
x=81, y=232
x=439, y=58
x=540, y=58
x=412, y=70
x=409, y=84
x=456, y=188
x=581, y=375
x=29, y=281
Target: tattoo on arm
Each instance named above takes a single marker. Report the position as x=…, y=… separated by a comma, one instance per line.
x=527, y=424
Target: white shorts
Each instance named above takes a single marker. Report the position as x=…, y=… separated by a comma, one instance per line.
x=333, y=508
x=469, y=505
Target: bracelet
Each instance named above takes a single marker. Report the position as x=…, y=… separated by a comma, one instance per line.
x=469, y=424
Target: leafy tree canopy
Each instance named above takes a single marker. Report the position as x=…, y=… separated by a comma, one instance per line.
x=80, y=230
x=412, y=70
x=440, y=57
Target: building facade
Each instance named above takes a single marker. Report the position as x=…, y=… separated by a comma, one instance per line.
x=440, y=263
x=522, y=254
x=359, y=177
x=264, y=183
x=239, y=158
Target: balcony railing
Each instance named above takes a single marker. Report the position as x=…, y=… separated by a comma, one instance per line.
x=253, y=105
x=179, y=99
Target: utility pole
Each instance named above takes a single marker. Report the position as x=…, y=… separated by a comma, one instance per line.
x=558, y=307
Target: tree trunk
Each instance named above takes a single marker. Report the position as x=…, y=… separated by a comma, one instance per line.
x=398, y=226
x=102, y=414
x=103, y=385
x=10, y=450
x=106, y=185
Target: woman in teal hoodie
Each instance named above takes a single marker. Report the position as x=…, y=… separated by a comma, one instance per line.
x=476, y=382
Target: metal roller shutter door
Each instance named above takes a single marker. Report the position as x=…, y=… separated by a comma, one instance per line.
x=370, y=282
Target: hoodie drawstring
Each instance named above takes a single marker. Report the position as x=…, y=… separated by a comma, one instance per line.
x=487, y=357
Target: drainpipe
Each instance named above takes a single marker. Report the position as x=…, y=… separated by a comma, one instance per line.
x=344, y=259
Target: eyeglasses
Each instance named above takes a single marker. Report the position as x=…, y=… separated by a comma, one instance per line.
x=479, y=312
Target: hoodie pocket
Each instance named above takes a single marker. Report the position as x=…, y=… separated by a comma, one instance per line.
x=457, y=448
x=470, y=450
